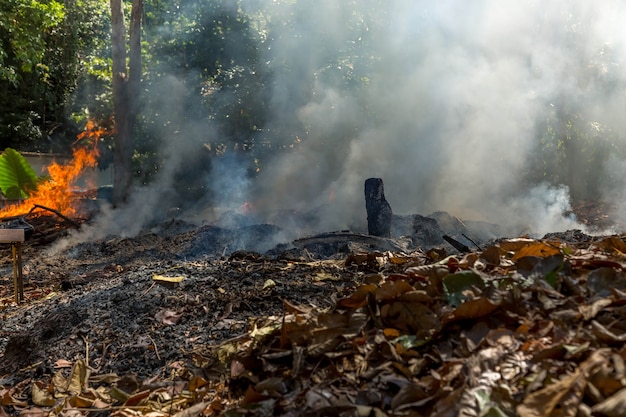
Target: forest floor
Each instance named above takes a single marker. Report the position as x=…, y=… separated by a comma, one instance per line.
x=166, y=323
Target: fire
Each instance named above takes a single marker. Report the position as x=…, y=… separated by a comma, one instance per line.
x=57, y=191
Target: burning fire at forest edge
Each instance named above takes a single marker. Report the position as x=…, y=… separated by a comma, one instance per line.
x=57, y=191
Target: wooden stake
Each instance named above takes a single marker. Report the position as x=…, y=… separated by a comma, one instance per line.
x=18, y=279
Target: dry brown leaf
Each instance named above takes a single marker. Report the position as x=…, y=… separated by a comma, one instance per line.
x=367, y=411
x=137, y=398
x=73, y=412
x=611, y=244
x=296, y=333
x=126, y=412
x=602, y=280
x=606, y=374
x=410, y=395
x=59, y=382
x=349, y=324
x=325, y=276
x=196, y=383
x=390, y=290
x=543, y=402
x=167, y=279
x=502, y=337
x=169, y=317
x=537, y=248
x=358, y=298
x=416, y=296
x=391, y=333
x=590, y=311
x=295, y=309
x=590, y=260
x=272, y=386
x=34, y=412
x=42, y=394
x=605, y=335
x=62, y=363
x=77, y=377
x=269, y=283
x=492, y=255
x=472, y=309
x=100, y=404
x=447, y=406
x=357, y=258
x=614, y=406
x=414, y=317
x=570, y=402
x=324, y=398
x=237, y=369
x=324, y=341
x=9, y=400
x=192, y=411
x=81, y=401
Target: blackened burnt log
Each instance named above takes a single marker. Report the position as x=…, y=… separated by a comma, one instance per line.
x=379, y=212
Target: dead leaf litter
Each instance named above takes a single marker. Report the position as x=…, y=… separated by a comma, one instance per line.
x=153, y=326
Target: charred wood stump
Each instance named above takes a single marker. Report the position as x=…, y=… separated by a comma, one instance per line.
x=379, y=212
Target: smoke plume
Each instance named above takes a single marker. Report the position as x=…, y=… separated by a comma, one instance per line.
x=467, y=107
x=453, y=108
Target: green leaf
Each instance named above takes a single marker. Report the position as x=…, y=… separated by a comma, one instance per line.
x=455, y=284
x=17, y=177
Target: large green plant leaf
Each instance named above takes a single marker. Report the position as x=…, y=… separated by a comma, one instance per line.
x=17, y=177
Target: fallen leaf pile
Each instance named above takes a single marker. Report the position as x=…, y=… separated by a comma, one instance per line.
x=531, y=328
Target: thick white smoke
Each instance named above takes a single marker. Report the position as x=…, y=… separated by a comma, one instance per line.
x=455, y=97
x=450, y=107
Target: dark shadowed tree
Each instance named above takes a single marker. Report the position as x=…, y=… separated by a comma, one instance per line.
x=125, y=93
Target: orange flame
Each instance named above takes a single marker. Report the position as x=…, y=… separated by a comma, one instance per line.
x=56, y=192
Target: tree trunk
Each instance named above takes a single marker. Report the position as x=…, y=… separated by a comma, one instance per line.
x=125, y=94
x=134, y=61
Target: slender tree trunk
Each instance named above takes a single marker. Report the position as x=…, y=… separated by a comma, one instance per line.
x=134, y=61
x=125, y=93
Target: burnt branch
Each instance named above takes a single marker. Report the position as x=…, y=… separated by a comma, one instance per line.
x=379, y=211
x=57, y=212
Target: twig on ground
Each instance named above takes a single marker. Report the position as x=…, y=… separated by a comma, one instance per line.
x=156, y=350
x=86, y=350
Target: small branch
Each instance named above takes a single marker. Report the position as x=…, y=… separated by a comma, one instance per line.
x=57, y=212
x=467, y=237
x=456, y=244
x=156, y=350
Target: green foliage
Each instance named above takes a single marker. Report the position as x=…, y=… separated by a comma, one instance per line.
x=44, y=48
x=23, y=26
x=17, y=177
